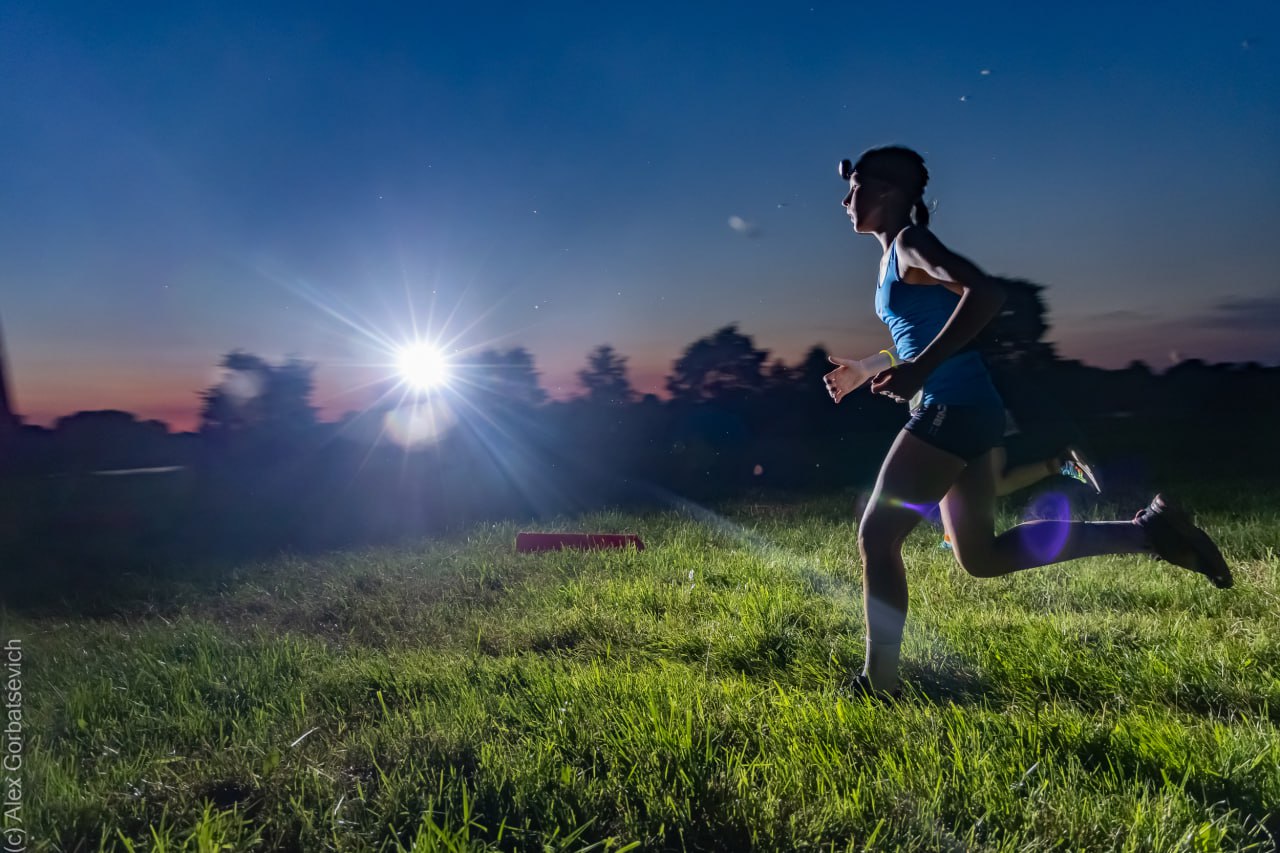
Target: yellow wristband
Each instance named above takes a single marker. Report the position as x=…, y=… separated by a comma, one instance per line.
x=893, y=361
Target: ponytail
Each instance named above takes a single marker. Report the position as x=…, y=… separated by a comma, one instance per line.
x=921, y=211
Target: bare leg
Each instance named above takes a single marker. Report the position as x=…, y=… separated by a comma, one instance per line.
x=968, y=514
x=914, y=476
x=1012, y=479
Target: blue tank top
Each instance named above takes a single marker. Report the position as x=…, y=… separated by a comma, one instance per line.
x=915, y=314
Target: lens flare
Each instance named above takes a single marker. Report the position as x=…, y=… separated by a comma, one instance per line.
x=241, y=387
x=929, y=512
x=423, y=366
x=417, y=423
x=1046, y=533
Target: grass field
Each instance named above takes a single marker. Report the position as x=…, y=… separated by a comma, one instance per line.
x=455, y=695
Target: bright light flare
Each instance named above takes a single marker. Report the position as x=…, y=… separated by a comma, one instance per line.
x=419, y=422
x=423, y=366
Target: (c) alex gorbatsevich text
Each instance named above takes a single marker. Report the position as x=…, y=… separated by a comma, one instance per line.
x=14, y=832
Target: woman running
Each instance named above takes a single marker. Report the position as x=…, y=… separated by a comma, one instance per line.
x=934, y=302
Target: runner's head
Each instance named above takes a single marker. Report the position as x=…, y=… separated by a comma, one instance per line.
x=885, y=184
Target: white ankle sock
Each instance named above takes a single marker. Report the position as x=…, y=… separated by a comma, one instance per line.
x=881, y=666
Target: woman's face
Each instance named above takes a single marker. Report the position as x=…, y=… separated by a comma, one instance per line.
x=863, y=203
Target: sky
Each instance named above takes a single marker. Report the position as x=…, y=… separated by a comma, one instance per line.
x=181, y=180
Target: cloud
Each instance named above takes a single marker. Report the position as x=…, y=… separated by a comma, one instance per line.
x=1121, y=316
x=1229, y=328
x=1240, y=313
x=1244, y=312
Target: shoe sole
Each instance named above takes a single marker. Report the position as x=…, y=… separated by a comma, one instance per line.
x=1074, y=456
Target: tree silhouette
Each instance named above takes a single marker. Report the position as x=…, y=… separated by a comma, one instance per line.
x=779, y=375
x=1015, y=336
x=605, y=377
x=509, y=375
x=256, y=395
x=812, y=368
x=725, y=363
x=110, y=438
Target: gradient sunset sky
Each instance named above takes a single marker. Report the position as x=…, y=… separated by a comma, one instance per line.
x=182, y=179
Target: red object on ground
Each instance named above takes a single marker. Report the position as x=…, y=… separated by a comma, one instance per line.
x=581, y=541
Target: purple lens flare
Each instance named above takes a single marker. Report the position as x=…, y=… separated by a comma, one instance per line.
x=1046, y=533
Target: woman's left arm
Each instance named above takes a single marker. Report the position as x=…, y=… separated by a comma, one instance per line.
x=980, y=296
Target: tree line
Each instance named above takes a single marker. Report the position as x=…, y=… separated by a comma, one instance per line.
x=263, y=471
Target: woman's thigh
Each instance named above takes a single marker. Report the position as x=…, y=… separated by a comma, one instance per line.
x=915, y=475
x=969, y=511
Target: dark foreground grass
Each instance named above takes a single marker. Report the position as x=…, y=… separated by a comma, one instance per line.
x=458, y=696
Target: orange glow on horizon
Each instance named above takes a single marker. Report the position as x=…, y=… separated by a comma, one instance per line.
x=42, y=399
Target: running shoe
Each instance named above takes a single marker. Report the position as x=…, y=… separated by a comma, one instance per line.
x=1174, y=538
x=1076, y=467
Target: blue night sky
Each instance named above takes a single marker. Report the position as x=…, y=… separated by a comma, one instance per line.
x=182, y=180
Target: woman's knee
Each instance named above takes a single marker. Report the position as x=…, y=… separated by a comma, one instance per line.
x=974, y=557
x=881, y=531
